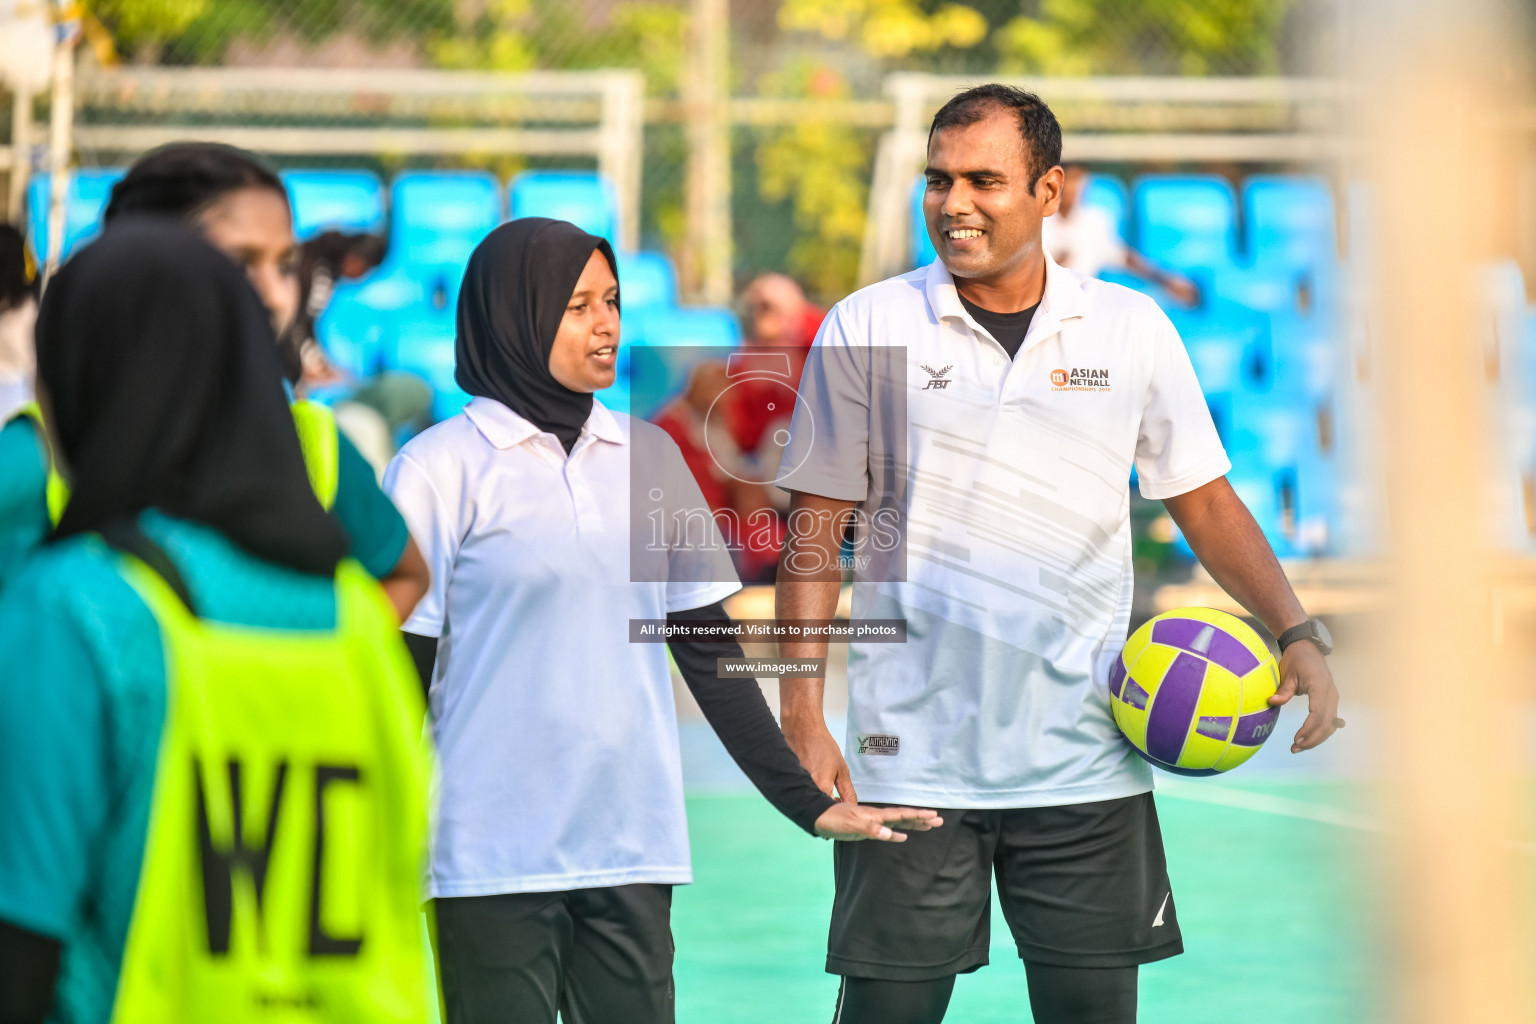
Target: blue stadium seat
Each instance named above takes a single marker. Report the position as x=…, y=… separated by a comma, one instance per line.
x=1268, y=288
x=663, y=346
x=357, y=328
x=646, y=280
x=86, y=200
x=1186, y=221
x=424, y=345
x=1229, y=346
x=401, y=321
x=1284, y=461
x=1319, y=501
x=353, y=334
x=923, y=252
x=581, y=197
x=439, y=217
x=351, y=201
x=1307, y=362
x=1262, y=475
x=1290, y=222
x=688, y=327
x=1107, y=192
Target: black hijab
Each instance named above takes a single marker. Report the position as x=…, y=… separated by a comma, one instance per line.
x=165, y=391
x=516, y=288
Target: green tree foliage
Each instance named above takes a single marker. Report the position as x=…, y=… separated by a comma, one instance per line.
x=518, y=35
x=199, y=31
x=136, y=24
x=822, y=168
x=887, y=28
x=1109, y=37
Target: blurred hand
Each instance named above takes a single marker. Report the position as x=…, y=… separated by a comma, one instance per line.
x=821, y=756
x=851, y=822
x=319, y=371
x=1183, y=289
x=1304, y=670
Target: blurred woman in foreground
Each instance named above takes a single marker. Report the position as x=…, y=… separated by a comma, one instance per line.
x=211, y=782
x=241, y=206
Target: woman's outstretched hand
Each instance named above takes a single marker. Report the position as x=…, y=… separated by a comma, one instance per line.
x=853, y=822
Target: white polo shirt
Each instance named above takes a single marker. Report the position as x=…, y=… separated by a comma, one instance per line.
x=557, y=737
x=1014, y=484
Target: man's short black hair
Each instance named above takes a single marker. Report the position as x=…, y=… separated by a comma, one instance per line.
x=1040, y=130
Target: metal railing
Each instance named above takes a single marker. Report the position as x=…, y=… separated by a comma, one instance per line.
x=596, y=114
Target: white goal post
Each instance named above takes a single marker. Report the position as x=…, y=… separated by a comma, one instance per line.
x=597, y=114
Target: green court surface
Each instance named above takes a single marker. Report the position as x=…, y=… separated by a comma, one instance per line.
x=1272, y=881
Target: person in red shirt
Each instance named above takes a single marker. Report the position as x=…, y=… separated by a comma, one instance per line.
x=778, y=317
x=727, y=477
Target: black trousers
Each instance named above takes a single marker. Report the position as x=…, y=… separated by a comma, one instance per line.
x=595, y=956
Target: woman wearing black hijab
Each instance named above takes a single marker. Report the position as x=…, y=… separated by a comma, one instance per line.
x=551, y=525
x=171, y=405
x=159, y=369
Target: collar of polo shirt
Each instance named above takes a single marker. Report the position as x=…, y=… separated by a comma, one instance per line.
x=1062, y=300
x=504, y=428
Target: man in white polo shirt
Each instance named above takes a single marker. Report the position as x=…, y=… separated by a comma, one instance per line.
x=1030, y=393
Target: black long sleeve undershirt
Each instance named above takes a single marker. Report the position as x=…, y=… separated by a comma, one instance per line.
x=736, y=710
x=423, y=654
x=29, y=969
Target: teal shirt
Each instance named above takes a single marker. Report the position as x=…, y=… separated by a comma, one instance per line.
x=373, y=524
x=82, y=701
x=23, y=494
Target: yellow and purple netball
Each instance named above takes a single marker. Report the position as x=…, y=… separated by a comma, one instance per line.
x=1191, y=691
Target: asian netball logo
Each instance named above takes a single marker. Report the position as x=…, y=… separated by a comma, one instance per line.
x=1080, y=379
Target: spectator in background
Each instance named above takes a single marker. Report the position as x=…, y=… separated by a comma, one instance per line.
x=778, y=316
x=1086, y=239
x=18, y=312
x=375, y=410
x=700, y=421
x=734, y=454
x=324, y=260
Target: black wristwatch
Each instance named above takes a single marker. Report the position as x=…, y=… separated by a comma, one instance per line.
x=1312, y=630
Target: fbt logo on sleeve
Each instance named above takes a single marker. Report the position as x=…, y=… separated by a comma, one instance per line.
x=1079, y=379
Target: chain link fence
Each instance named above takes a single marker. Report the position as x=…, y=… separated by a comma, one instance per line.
x=807, y=80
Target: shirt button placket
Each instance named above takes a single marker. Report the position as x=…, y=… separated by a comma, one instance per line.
x=588, y=518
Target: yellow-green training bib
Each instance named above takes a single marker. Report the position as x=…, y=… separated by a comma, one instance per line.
x=288, y=827
x=316, y=426
x=58, y=490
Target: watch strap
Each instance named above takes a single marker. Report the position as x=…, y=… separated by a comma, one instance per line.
x=1306, y=631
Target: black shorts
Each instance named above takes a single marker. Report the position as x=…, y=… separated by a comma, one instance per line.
x=1084, y=885
x=594, y=956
